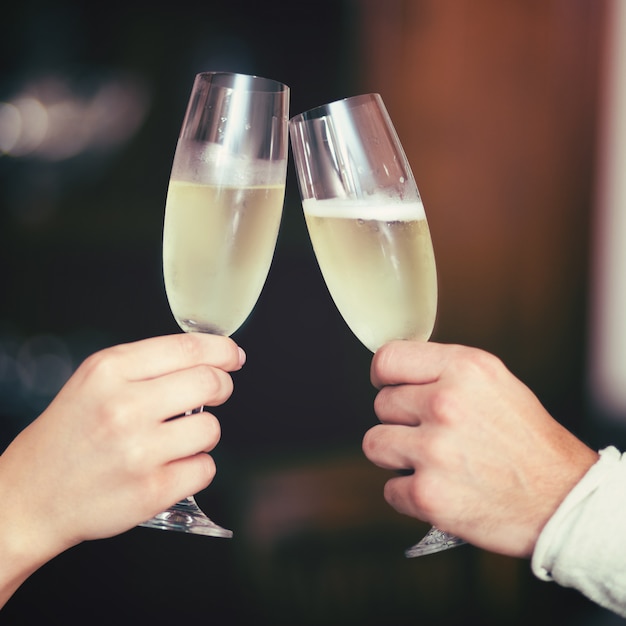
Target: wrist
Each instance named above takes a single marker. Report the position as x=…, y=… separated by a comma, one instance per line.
x=20, y=556
x=27, y=540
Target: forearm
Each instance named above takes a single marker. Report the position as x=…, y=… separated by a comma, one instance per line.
x=583, y=545
x=13, y=575
x=20, y=555
x=30, y=531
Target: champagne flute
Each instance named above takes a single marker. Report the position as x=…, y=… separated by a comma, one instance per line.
x=222, y=215
x=368, y=229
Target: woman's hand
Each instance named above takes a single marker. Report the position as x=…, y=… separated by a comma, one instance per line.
x=105, y=455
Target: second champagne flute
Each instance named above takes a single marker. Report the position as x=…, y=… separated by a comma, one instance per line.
x=368, y=229
x=222, y=215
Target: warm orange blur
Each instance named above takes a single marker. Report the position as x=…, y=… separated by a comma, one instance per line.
x=495, y=103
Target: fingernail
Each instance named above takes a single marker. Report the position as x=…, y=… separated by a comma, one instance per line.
x=242, y=357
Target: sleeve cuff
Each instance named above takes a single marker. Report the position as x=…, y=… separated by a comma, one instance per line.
x=555, y=532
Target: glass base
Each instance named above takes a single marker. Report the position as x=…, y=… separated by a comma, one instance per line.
x=187, y=517
x=435, y=541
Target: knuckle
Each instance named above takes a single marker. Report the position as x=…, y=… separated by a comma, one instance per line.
x=134, y=458
x=197, y=474
x=391, y=493
x=101, y=365
x=115, y=421
x=425, y=493
x=383, y=359
x=474, y=361
x=189, y=344
x=368, y=444
x=442, y=405
x=381, y=403
x=438, y=452
x=217, y=383
x=372, y=441
x=116, y=432
x=212, y=432
x=422, y=494
x=209, y=469
x=153, y=485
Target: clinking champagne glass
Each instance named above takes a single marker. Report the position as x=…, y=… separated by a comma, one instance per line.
x=222, y=215
x=368, y=229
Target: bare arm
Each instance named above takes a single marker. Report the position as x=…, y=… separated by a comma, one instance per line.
x=103, y=456
x=490, y=464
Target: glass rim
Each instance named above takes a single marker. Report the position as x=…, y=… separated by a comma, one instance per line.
x=323, y=110
x=228, y=79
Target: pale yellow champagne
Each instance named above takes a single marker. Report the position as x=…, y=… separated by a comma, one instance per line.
x=218, y=244
x=379, y=266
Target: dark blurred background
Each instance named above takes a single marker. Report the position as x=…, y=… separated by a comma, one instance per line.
x=496, y=103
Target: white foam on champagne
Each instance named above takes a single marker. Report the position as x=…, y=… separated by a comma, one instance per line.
x=209, y=163
x=382, y=209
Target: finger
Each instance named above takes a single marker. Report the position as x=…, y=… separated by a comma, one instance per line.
x=400, y=494
x=392, y=447
x=409, y=362
x=186, y=437
x=185, y=477
x=156, y=356
x=180, y=391
x=400, y=404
